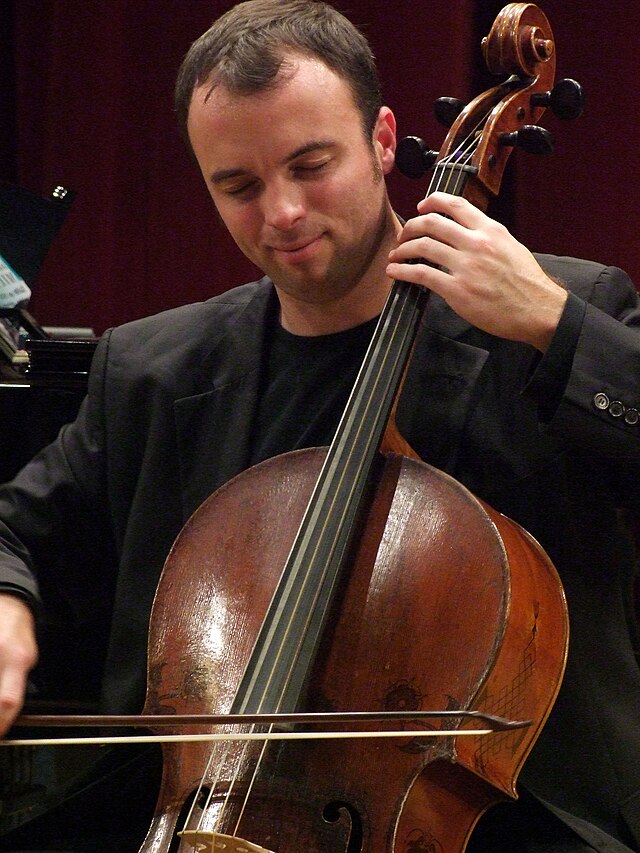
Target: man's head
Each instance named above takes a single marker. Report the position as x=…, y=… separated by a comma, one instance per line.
x=246, y=52
x=292, y=160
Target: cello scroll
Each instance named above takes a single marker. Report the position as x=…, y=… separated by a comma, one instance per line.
x=484, y=132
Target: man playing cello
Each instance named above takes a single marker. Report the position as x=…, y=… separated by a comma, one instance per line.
x=281, y=107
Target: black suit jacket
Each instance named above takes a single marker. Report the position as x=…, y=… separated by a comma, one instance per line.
x=167, y=420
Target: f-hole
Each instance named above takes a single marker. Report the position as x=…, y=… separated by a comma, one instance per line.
x=200, y=797
x=339, y=810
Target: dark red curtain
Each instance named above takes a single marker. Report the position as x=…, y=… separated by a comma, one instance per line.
x=585, y=199
x=89, y=105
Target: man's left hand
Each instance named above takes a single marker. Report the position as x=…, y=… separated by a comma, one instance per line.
x=483, y=273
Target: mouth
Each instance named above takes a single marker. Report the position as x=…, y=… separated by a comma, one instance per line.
x=300, y=251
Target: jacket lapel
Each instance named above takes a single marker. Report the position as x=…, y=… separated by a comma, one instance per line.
x=442, y=377
x=213, y=426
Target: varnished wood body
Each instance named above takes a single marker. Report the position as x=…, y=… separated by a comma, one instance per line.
x=431, y=615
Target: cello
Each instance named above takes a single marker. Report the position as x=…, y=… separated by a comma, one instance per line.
x=366, y=537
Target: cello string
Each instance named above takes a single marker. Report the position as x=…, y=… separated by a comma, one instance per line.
x=470, y=143
x=462, y=154
x=329, y=510
x=229, y=788
x=464, y=151
x=212, y=786
x=251, y=736
x=254, y=775
x=312, y=554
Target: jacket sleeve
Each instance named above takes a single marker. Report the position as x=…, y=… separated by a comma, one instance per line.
x=600, y=406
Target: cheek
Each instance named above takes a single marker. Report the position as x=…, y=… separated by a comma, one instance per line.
x=358, y=194
x=341, y=193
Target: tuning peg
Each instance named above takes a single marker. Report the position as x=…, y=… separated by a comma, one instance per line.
x=566, y=99
x=530, y=137
x=447, y=110
x=413, y=157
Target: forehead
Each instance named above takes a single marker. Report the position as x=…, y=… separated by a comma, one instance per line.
x=308, y=101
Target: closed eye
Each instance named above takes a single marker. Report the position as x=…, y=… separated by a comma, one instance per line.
x=303, y=170
x=242, y=190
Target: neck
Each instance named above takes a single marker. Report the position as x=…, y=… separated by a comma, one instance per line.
x=353, y=306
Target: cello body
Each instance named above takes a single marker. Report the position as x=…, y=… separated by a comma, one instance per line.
x=430, y=615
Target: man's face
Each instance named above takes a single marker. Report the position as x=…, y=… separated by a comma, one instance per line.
x=295, y=181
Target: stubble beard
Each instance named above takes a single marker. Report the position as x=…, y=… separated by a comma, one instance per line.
x=348, y=265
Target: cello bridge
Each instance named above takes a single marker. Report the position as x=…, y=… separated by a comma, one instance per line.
x=215, y=842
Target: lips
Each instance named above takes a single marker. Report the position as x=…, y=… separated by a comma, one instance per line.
x=300, y=250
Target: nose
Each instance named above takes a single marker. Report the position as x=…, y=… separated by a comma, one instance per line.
x=283, y=205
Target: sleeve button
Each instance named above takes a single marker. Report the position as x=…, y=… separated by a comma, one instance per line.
x=616, y=409
x=632, y=416
x=601, y=401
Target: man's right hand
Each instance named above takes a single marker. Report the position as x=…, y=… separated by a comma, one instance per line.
x=18, y=655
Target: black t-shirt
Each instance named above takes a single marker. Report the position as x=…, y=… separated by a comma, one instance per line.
x=305, y=388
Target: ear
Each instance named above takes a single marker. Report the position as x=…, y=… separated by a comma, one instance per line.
x=384, y=139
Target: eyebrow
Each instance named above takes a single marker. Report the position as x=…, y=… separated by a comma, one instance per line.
x=315, y=145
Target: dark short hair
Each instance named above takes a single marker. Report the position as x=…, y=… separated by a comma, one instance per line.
x=244, y=51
